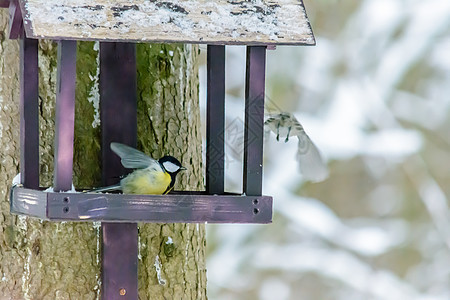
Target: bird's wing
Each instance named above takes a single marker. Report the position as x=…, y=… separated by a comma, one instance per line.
x=310, y=161
x=271, y=123
x=132, y=158
x=297, y=128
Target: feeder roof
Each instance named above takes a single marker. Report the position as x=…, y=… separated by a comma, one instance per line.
x=256, y=22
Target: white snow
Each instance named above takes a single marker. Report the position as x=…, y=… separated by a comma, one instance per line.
x=285, y=22
x=16, y=180
x=94, y=93
x=49, y=190
x=158, y=268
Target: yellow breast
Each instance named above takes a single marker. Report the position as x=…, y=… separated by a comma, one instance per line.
x=146, y=182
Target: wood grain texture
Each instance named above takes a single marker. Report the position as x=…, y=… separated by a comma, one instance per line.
x=184, y=208
x=261, y=22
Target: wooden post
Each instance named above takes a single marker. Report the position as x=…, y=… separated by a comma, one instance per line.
x=65, y=115
x=254, y=119
x=215, y=120
x=15, y=20
x=29, y=120
x=119, y=124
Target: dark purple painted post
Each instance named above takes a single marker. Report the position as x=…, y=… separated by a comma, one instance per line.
x=15, y=20
x=215, y=120
x=29, y=121
x=254, y=119
x=4, y=3
x=119, y=124
x=65, y=115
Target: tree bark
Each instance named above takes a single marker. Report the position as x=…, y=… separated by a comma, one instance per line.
x=168, y=114
x=61, y=260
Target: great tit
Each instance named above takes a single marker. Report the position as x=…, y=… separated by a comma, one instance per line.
x=150, y=177
x=310, y=161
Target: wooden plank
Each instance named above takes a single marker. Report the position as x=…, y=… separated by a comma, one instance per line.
x=183, y=207
x=118, y=104
x=29, y=113
x=4, y=3
x=254, y=119
x=119, y=261
x=118, y=114
x=65, y=115
x=15, y=20
x=28, y=202
x=215, y=120
x=195, y=21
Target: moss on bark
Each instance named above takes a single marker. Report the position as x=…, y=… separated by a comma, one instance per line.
x=46, y=260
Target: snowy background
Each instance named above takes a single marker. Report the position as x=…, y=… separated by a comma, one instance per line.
x=374, y=96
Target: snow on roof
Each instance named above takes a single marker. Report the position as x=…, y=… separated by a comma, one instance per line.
x=192, y=21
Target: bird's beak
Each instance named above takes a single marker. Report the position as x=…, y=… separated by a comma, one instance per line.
x=183, y=169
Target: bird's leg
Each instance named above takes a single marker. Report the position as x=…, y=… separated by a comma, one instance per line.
x=278, y=132
x=287, y=137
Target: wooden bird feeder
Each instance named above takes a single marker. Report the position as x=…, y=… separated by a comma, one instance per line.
x=118, y=25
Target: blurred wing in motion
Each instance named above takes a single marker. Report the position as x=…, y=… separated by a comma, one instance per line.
x=132, y=158
x=311, y=163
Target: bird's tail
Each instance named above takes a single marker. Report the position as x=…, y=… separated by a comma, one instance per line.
x=110, y=188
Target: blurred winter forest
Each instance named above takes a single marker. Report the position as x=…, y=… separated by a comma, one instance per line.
x=374, y=95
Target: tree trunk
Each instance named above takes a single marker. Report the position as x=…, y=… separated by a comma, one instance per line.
x=60, y=260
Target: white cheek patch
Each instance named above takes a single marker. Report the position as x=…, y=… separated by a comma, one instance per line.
x=170, y=167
